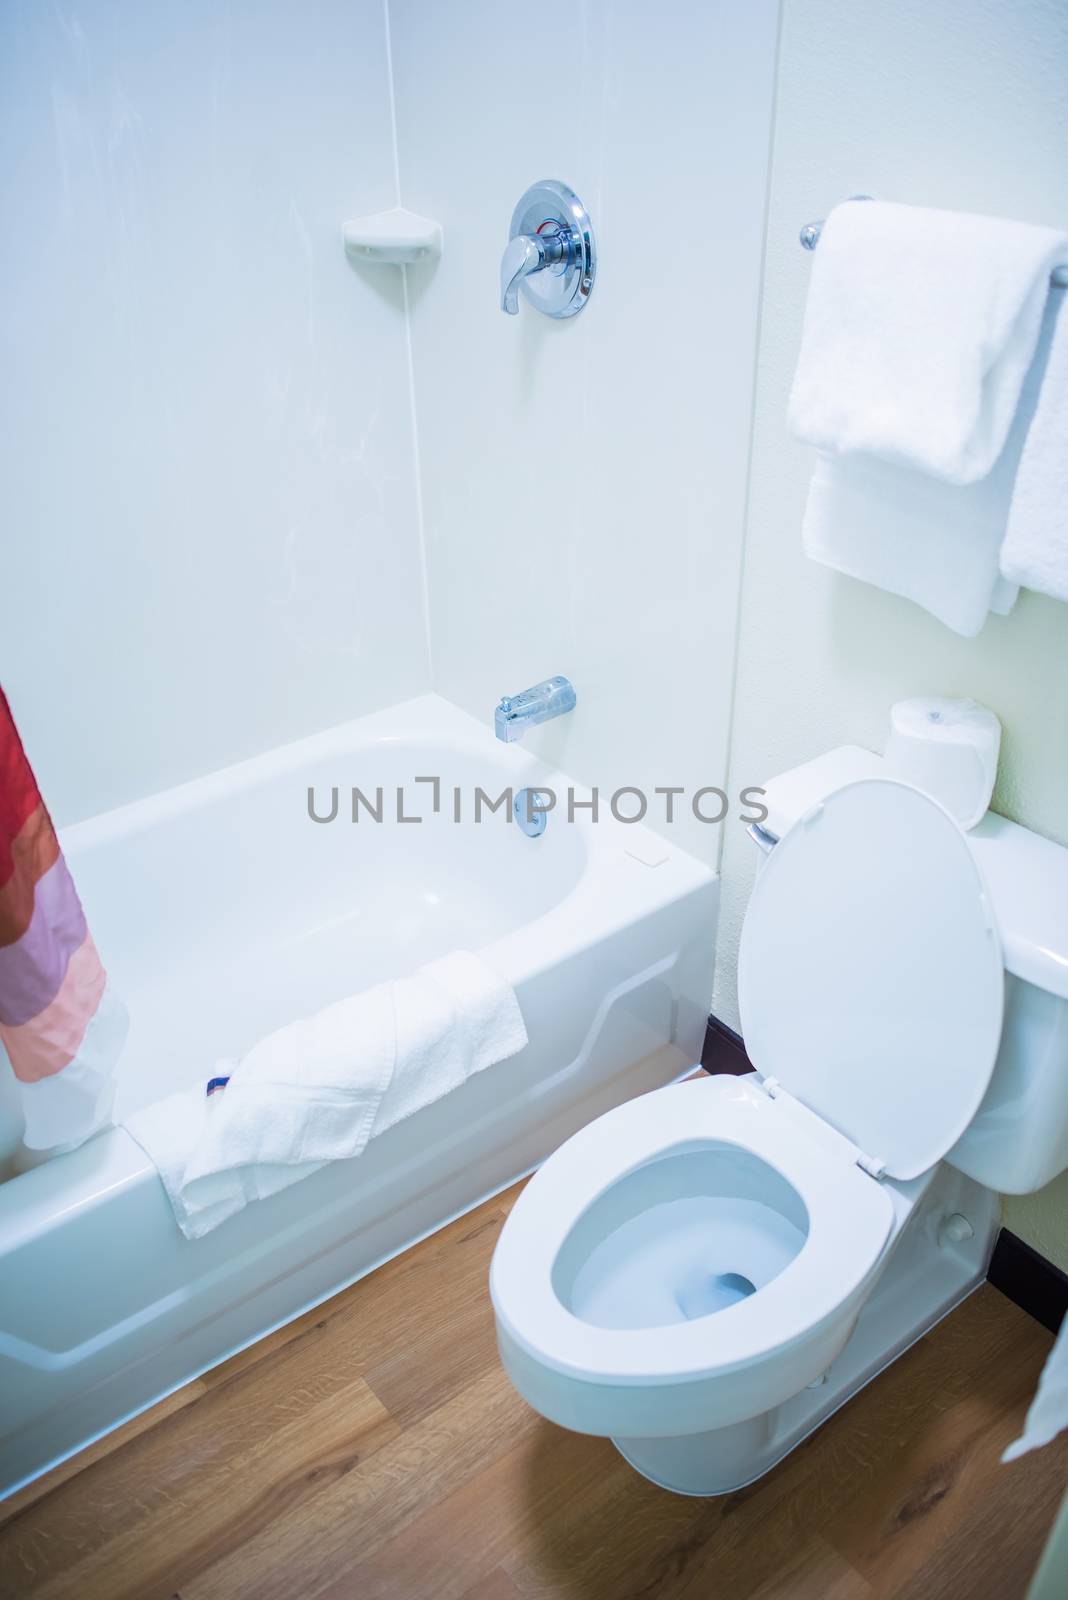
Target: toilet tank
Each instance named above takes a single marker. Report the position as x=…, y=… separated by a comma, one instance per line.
x=1018, y=1139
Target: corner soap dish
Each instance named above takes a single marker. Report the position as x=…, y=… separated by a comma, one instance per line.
x=395, y=238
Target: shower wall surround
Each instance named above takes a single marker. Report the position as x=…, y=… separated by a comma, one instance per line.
x=208, y=437
x=206, y=457
x=584, y=481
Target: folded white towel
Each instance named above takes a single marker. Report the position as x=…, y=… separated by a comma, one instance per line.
x=935, y=543
x=919, y=330
x=317, y=1090
x=913, y=536
x=1035, y=552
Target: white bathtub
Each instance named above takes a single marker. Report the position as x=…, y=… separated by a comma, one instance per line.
x=223, y=911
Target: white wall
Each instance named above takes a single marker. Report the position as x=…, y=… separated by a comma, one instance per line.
x=584, y=481
x=960, y=104
x=206, y=468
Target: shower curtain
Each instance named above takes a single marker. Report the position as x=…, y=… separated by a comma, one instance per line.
x=60, y=1024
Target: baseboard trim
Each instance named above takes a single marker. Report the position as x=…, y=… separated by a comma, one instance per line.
x=724, y=1050
x=1029, y=1280
x=1019, y=1272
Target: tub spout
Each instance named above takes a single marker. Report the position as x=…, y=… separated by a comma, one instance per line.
x=516, y=713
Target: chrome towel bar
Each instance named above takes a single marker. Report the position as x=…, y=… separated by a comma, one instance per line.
x=810, y=238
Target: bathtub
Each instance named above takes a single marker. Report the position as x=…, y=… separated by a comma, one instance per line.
x=223, y=911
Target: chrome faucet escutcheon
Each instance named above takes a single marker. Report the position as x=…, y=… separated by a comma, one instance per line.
x=518, y=712
x=551, y=255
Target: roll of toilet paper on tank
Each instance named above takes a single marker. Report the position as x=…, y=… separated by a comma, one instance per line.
x=949, y=749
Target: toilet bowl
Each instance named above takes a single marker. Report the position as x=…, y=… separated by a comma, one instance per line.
x=703, y=1274
x=594, y=1284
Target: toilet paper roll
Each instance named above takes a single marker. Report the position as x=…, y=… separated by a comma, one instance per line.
x=949, y=749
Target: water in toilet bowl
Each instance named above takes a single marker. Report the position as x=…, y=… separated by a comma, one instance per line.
x=687, y=1236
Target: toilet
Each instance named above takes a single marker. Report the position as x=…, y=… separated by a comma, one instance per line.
x=705, y=1273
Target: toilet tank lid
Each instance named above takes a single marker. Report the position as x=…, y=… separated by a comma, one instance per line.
x=1027, y=875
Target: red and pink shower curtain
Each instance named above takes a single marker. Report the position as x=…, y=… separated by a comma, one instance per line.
x=60, y=1024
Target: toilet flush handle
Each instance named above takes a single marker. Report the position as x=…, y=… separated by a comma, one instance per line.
x=955, y=1229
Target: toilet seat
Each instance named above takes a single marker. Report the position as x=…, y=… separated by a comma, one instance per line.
x=849, y=1220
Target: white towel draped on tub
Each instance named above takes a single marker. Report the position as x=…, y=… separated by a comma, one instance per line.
x=917, y=380
x=317, y=1090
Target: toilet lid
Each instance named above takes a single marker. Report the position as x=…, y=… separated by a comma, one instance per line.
x=870, y=977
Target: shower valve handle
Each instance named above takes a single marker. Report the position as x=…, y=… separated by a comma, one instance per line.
x=527, y=253
x=550, y=255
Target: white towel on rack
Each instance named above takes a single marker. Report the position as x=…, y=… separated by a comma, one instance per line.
x=931, y=542
x=319, y=1089
x=1048, y=1411
x=1035, y=552
x=913, y=536
x=919, y=331
x=936, y=543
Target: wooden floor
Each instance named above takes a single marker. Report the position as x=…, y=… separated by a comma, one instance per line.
x=375, y=1451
